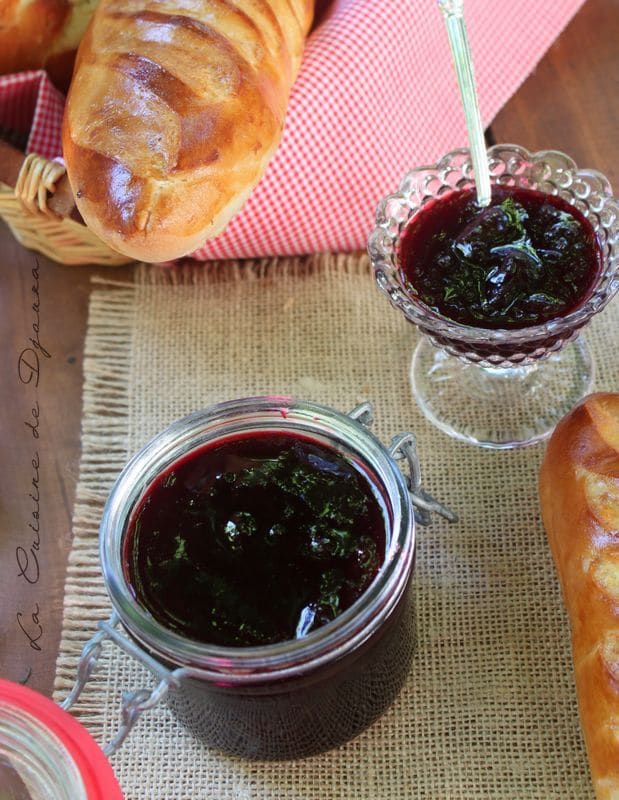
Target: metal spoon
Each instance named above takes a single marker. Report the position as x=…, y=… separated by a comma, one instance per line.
x=453, y=13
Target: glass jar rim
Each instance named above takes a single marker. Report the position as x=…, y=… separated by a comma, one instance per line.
x=233, y=418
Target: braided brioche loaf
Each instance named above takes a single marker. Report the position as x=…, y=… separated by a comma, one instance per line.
x=175, y=108
x=579, y=491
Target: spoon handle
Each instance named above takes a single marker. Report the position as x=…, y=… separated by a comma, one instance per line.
x=453, y=12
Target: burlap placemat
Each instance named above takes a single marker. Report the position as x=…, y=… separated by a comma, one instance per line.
x=489, y=709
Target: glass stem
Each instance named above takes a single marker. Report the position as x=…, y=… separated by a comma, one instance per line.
x=500, y=383
x=458, y=40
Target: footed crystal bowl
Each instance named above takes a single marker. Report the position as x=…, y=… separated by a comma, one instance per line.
x=498, y=388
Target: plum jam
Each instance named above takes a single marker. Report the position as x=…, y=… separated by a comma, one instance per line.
x=259, y=556
x=525, y=259
x=255, y=540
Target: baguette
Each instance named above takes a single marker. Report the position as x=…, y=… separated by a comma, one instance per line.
x=175, y=108
x=579, y=492
x=42, y=34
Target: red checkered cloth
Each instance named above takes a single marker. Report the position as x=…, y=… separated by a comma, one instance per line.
x=376, y=95
x=31, y=111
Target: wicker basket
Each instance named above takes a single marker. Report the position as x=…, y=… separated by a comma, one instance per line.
x=62, y=240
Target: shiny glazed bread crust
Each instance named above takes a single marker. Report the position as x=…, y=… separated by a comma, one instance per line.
x=175, y=108
x=579, y=491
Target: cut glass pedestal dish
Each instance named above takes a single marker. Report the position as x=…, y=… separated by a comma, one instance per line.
x=498, y=388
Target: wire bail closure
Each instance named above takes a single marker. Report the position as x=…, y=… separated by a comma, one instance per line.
x=134, y=703
x=403, y=446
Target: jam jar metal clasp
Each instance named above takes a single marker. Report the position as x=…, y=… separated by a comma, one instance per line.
x=135, y=702
x=403, y=446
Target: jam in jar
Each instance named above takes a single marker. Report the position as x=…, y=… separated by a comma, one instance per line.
x=255, y=540
x=261, y=551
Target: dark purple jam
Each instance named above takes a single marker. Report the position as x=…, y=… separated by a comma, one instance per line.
x=525, y=259
x=255, y=540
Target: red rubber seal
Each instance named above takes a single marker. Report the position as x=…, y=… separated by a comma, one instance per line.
x=94, y=768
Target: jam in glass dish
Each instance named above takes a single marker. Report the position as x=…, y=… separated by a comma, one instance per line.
x=500, y=292
x=258, y=555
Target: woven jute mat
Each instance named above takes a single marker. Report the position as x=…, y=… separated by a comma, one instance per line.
x=489, y=709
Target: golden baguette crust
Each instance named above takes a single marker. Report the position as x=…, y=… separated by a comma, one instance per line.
x=175, y=108
x=37, y=34
x=579, y=492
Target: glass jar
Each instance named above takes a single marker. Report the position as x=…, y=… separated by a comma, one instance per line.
x=299, y=697
x=45, y=754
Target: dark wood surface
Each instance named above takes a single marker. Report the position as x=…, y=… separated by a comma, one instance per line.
x=40, y=449
x=570, y=103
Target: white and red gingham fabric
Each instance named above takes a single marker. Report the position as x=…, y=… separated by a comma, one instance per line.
x=376, y=95
x=31, y=112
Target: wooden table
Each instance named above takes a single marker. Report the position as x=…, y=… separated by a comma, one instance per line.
x=570, y=103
